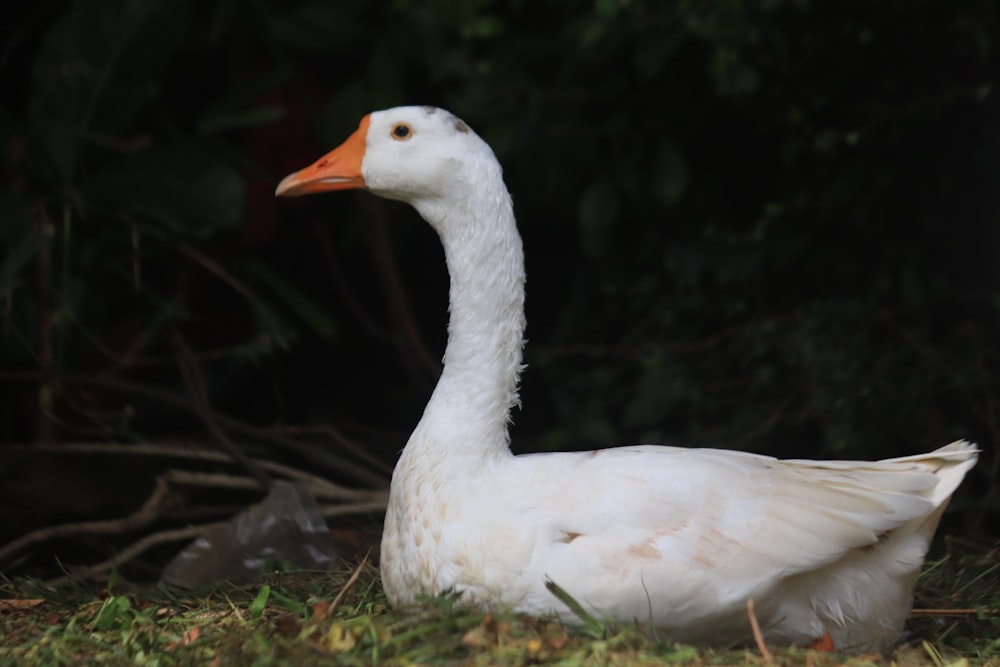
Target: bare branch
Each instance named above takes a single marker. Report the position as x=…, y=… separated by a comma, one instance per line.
x=133, y=550
x=191, y=372
x=341, y=465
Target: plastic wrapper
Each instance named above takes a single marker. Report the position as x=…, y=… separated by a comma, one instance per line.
x=286, y=527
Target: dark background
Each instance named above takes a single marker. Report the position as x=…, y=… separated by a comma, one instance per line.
x=767, y=225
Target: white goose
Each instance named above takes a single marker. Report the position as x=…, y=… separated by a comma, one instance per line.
x=676, y=538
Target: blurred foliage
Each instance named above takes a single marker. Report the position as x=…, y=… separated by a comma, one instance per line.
x=763, y=224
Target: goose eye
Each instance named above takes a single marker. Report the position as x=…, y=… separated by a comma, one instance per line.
x=402, y=131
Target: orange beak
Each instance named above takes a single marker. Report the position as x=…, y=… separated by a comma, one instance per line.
x=340, y=169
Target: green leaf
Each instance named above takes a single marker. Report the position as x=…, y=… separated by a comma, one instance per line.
x=15, y=262
x=311, y=313
x=484, y=27
x=278, y=331
x=591, y=626
x=219, y=120
x=652, y=54
x=454, y=14
x=14, y=217
x=669, y=173
x=97, y=66
x=240, y=108
x=597, y=210
x=115, y=612
x=182, y=183
x=260, y=602
x=317, y=26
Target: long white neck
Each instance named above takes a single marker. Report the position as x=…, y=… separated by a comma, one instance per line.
x=467, y=417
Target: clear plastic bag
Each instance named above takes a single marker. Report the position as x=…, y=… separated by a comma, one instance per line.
x=286, y=527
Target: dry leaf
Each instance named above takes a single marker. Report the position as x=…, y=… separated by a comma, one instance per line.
x=320, y=610
x=15, y=605
x=287, y=625
x=339, y=638
x=349, y=536
x=478, y=637
x=187, y=638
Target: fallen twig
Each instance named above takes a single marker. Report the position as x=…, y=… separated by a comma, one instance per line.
x=364, y=501
x=142, y=516
x=133, y=550
x=758, y=636
x=349, y=584
x=972, y=611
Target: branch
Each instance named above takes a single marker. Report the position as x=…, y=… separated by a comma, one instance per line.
x=145, y=514
x=191, y=373
x=363, y=501
x=133, y=550
x=316, y=454
x=44, y=431
x=318, y=486
x=416, y=349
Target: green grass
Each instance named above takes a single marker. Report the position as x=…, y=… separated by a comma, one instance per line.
x=322, y=619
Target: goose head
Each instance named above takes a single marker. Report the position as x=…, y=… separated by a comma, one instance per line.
x=431, y=160
x=419, y=155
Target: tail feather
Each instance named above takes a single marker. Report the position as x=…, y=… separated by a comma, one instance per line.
x=950, y=463
x=865, y=622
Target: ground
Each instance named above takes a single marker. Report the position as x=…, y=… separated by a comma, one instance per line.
x=342, y=618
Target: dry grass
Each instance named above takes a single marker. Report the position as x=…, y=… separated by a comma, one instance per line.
x=318, y=619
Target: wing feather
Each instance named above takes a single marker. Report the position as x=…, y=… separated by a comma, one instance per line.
x=693, y=521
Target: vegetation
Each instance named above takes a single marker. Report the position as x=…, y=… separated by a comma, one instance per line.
x=762, y=224
x=343, y=619
x=783, y=212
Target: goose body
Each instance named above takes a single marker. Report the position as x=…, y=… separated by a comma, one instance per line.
x=679, y=539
